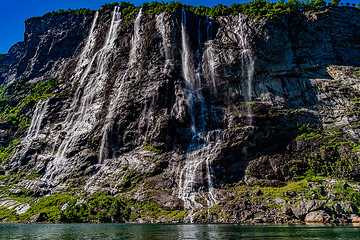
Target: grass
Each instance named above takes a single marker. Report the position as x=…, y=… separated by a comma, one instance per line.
x=180, y=216
x=6, y=213
x=152, y=149
x=49, y=205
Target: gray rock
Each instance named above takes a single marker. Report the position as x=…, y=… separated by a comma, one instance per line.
x=289, y=193
x=126, y=128
x=350, y=208
x=306, y=206
x=258, y=192
x=279, y=200
x=319, y=216
x=16, y=191
x=286, y=209
x=354, y=218
x=40, y=217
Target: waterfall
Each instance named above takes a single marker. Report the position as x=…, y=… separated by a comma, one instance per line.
x=110, y=118
x=85, y=57
x=187, y=65
x=81, y=116
x=135, y=39
x=37, y=119
x=160, y=25
x=209, y=58
x=34, y=128
x=209, y=32
x=197, y=171
x=87, y=102
x=247, y=61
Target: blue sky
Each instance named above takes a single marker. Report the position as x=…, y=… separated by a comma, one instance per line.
x=14, y=13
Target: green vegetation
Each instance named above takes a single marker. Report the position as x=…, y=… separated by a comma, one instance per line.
x=7, y=152
x=100, y=208
x=81, y=11
x=152, y=149
x=133, y=179
x=254, y=9
x=6, y=213
x=314, y=188
x=97, y=208
x=16, y=100
x=17, y=97
x=328, y=155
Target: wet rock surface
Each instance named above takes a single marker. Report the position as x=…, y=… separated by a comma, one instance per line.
x=177, y=109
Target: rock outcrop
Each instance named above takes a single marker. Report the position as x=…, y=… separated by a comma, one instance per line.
x=177, y=109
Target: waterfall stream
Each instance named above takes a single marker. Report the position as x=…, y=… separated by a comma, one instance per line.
x=82, y=113
x=196, y=181
x=247, y=60
x=160, y=25
x=34, y=128
x=196, y=177
x=104, y=151
x=209, y=58
x=37, y=119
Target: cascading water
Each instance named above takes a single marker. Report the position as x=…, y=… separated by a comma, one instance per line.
x=247, y=60
x=209, y=58
x=110, y=118
x=85, y=57
x=196, y=177
x=160, y=25
x=37, y=119
x=34, y=129
x=136, y=39
x=82, y=114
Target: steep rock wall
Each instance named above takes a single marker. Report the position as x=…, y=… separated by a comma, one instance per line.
x=176, y=108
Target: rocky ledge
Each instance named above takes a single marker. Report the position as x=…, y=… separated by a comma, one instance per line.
x=118, y=116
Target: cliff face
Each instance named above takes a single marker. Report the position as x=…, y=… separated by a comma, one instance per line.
x=177, y=109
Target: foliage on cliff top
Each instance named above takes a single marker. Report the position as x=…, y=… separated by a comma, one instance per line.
x=255, y=8
x=81, y=11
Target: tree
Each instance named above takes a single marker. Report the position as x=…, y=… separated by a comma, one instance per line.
x=334, y=2
x=320, y=4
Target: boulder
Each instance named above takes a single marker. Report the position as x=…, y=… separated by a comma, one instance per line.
x=354, y=218
x=306, y=206
x=317, y=217
x=258, y=192
x=279, y=200
x=286, y=209
x=40, y=217
x=350, y=208
x=289, y=193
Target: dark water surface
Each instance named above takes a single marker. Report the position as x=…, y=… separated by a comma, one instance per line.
x=177, y=231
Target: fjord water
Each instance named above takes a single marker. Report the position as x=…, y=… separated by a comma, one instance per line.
x=177, y=231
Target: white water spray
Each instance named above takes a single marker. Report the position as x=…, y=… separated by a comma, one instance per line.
x=86, y=103
x=160, y=25
x=248, y=64
x=104, y=152
x=34, y=129
x=196, y=175
x=210, y=59
x=82, y=113
x=37, y=119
